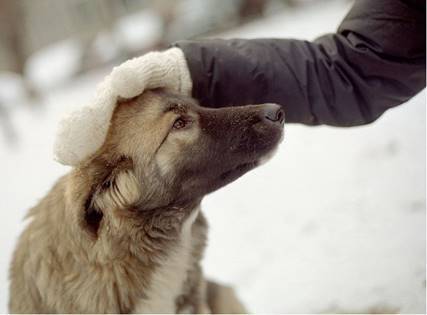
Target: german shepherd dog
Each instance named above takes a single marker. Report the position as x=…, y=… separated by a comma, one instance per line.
x=122, y=232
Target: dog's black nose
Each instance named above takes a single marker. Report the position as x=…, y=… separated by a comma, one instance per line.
x=274, y=113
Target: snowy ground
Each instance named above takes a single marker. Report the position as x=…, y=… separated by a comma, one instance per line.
x=334, y=222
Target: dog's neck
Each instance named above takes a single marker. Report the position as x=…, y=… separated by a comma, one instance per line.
x=141, y=246
x=170, y=274
x=155, y=259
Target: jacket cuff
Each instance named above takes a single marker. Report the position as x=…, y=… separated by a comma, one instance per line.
x=185, y=82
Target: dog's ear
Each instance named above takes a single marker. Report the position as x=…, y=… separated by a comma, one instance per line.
x=118, y=189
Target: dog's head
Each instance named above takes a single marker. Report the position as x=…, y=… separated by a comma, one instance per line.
x=164, y=150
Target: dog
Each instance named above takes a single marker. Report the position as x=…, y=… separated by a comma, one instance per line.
x=122, y=232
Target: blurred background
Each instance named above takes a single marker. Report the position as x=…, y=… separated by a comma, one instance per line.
x=334, y=223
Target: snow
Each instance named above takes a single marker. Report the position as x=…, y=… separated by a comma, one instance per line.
x=336, y=219
x=11, y=88
x=54, y=64
x=334, y=222
x=140, y=30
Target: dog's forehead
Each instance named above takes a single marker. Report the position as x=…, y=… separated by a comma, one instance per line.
x=167, y=99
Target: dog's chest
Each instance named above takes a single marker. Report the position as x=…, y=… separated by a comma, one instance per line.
x=167, y=281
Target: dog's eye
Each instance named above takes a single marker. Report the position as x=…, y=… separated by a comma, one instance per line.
x=179, y=123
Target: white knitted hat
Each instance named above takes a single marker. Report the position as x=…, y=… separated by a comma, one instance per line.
x=83, y=131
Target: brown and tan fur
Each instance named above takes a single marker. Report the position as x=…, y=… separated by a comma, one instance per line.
x=123, y=232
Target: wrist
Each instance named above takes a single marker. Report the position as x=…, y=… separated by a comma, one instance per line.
x=167, y=69
x=185, y=82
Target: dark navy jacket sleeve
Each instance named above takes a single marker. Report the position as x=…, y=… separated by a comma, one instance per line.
x=375, y=61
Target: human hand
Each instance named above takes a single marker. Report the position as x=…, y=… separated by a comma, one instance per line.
x=83, y=131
